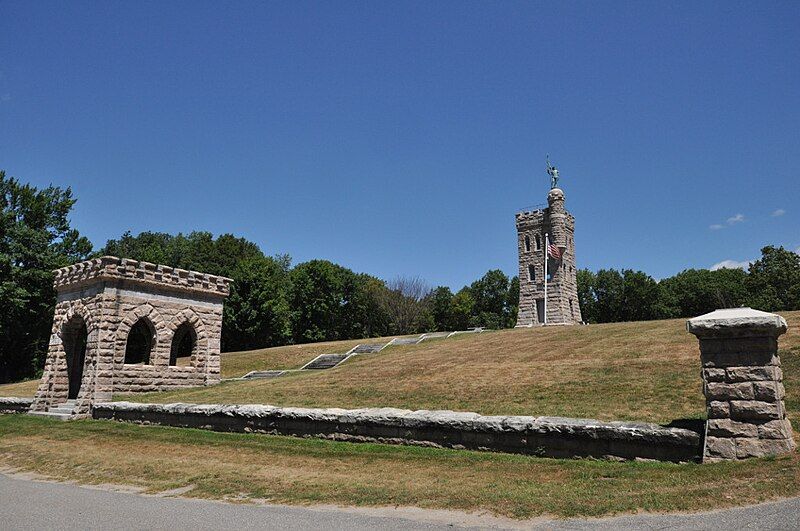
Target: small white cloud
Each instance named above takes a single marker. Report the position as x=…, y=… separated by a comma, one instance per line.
x=738, y=218
x=778, y=213
x=731, y=264
x=716, y=226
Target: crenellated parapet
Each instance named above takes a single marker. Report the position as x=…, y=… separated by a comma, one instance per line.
x=113, y=268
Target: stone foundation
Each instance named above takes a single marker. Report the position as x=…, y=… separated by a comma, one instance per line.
x=743, y=384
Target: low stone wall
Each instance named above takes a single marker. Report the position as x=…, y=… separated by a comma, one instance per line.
x=13, y=404
x=148, y=378
x=540, y=436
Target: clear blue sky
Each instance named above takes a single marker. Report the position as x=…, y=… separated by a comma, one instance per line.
x=399, y=138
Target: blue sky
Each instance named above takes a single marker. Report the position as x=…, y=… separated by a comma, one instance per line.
x=399, y=138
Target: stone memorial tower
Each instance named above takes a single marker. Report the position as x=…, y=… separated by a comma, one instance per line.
x=547, y=234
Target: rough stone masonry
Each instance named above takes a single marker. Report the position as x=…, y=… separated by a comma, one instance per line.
x=562, y=284
x=125, y=326
x=743, y=384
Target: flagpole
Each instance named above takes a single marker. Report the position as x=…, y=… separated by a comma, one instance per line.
x=546, y=254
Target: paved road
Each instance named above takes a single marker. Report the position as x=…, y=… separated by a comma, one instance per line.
x=26, y=504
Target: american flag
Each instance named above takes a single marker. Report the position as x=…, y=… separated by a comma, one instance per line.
x=553, y=251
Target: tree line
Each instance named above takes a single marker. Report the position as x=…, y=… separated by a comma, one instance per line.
x=273, y=302
x=771, y=283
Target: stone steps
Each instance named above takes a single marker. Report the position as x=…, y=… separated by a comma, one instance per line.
x=61, y=411
x=328, y=361
x=325, y=361
x=368, y=348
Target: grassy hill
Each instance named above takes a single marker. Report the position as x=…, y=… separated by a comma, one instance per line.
x=637, y=371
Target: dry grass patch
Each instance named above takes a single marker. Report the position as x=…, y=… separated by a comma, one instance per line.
x=26, y=388
x=305, y=471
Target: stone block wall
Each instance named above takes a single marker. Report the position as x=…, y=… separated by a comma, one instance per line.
x=743, y=384
x=540, y=436
x=109, y=296
x=13, y=404
x=562, y=289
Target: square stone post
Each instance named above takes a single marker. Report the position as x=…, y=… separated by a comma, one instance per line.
x=743, y=384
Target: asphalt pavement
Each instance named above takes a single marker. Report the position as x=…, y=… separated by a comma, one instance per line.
x=34, y=504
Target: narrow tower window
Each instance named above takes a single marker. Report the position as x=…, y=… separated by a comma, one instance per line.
x=527, y=244
x=531, y=273
x=538, y=243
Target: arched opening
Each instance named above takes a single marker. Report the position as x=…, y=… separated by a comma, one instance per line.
x=527, y=244
x=141, y=340
x=74, y=336
x=538, y=243
x=183, y=344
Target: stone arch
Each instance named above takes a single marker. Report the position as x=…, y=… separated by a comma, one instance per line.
x=190, y=317
x=154, y=318
x=76, y=309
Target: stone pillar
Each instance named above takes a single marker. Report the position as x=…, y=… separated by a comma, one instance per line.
x=558, y=218
x=743, y=384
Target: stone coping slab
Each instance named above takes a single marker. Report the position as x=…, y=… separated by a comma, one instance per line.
x=540, y=436
x=14, y=404
x=736, y=320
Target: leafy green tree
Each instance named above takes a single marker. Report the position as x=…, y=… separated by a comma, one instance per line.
x=366, y=315
x=609, y=295
x=318, y=300
x=694, y=292
x=490, y=297
x=35, y=239
x=641, y=297
x=198, y=251
x=462, y=309
x=257, y=313
x=440, y=307
x=512, y=303
x=774, y=280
